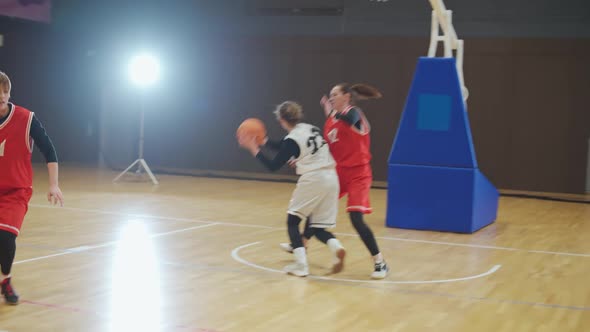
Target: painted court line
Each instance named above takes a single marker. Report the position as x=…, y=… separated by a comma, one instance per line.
x=122, y=214
x=235, y=255
x=106, y=244
x=374, y=284
x=223, y=223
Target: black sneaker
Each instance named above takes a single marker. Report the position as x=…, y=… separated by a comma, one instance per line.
x=10, y=295
x=381, y=270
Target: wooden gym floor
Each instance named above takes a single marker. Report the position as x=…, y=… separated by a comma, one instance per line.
x=201, y=254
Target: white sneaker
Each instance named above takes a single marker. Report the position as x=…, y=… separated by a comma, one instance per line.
x=286, y=247
x=339, y=260
x=297, y=269
x=381, y=270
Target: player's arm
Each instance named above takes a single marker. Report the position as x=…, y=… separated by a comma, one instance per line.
x=275, y=145
x=324, y=102
x=352, y=117
x=42, y=141
x=44, y=144
x=289, y=149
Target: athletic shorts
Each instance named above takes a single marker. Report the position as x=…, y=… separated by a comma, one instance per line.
x=356, y=183
x=316, y=194
x=14, y=204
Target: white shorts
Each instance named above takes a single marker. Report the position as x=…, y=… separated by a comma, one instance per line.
x=316, y=194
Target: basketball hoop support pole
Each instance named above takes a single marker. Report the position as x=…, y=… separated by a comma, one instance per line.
x=442, y=19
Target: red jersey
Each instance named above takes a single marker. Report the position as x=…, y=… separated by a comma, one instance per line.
x=16, y=148
x=349, y=145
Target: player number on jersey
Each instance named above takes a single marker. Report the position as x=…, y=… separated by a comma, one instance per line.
x=2, y=148
x=316, y=140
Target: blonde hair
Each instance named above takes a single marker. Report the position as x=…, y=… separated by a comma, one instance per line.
x=289, y=111
x=5, y=81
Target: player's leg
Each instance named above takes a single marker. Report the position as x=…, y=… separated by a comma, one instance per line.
x=13, y=207
x=359, y=204
x=380, y=268
x=325, y=215
x=7, y=253
x=337, y=249
x=300, y=267
x=308, y=233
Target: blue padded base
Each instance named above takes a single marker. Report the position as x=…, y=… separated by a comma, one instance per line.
x=435, y=198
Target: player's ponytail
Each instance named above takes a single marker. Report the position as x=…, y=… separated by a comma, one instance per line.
x=360, y=91
x=365, y=91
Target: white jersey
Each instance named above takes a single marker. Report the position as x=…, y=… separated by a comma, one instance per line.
x=314, y=152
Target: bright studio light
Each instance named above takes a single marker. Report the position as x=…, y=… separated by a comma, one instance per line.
x=144, y=69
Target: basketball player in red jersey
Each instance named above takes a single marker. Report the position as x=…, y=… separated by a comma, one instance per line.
x=347, y=132
x=19, y=128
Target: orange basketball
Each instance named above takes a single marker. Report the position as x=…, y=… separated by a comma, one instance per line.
x=252, y=127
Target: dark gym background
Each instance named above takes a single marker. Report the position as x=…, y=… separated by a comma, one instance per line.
x=527, y=67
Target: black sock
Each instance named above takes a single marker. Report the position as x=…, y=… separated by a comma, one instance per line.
x=308, y=232
x=323, y=235
x=7, y=251
x=293, y=230
x=364, y=232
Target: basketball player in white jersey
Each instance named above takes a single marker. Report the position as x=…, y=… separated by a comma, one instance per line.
x=317, y=189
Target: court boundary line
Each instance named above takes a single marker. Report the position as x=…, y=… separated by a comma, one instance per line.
x=362, y=283
x=389, y=238
x=236, y=256
x=106, y=244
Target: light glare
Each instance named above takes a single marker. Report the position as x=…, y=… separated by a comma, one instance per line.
x=144, y=70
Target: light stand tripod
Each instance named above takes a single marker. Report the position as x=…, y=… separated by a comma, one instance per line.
x=140, y=162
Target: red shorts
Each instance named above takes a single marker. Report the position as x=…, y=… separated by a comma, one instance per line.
x=356, y=182
x=14, y=204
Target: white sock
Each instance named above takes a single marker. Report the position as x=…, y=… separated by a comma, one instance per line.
x=378, y=258
x=5, y=277
x=334, y=244
x=300, y=256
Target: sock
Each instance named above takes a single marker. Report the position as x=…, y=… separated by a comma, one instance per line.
x=300, y=256
x=378, y=258
x=334, y=244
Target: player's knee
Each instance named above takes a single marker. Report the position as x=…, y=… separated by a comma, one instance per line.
x=293, y=220
x=357, y=219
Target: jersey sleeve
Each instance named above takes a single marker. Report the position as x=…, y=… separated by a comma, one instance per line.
x=289, y=149
x=42, y=141
x=352, y=117
x=273, y=144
